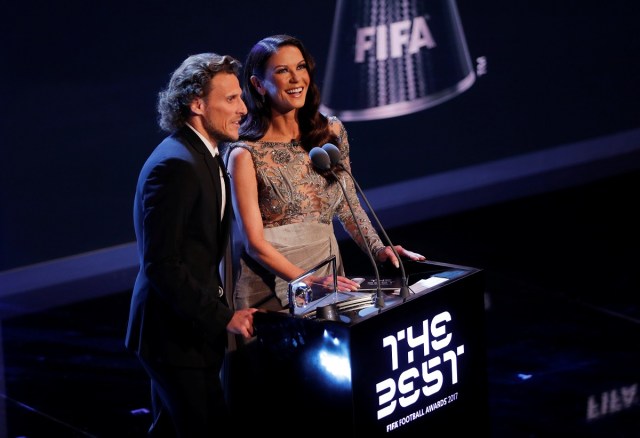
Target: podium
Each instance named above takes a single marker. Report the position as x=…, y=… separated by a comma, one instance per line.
x=416, y=364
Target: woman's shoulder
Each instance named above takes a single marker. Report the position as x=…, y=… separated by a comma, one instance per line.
x=337, y=127
x=232, y=145
x=334, y=121
x=236, y=148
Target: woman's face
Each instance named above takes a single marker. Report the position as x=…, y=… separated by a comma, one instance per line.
x=286, y=79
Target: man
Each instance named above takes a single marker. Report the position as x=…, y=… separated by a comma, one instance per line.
x=179, y=316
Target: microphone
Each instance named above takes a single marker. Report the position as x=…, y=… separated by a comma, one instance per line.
x=334, y=157
x=334, y=153
x=321, y=160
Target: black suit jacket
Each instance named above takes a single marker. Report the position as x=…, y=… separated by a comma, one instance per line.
x=177, y=315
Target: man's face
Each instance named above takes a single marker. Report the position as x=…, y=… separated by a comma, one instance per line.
x=222, y=109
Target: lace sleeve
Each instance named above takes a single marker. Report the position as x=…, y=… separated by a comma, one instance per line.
x=372, y=241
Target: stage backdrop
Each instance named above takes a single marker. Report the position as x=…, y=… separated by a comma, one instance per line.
x=437, y=96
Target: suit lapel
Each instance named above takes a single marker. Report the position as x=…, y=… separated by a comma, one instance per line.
x=214, y=170
x=214, y=166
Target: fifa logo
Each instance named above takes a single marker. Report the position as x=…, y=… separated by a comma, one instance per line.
x=390, y=41
x=393, y=57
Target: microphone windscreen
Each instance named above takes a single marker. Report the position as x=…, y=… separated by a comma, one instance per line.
x=333, y=151
x=320, y=158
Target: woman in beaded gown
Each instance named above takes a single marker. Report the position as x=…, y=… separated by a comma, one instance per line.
x=284, y=207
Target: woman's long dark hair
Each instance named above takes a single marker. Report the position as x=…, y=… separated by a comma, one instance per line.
x=314, y=126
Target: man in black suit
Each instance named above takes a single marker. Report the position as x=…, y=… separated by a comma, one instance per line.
x=180, y=318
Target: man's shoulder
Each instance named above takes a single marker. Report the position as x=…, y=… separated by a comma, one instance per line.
x=185, y=136
x=172, y=148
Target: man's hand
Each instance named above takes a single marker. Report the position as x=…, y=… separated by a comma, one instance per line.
x=242, y=322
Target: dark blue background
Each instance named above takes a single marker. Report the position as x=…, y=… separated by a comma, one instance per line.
x=80, y=79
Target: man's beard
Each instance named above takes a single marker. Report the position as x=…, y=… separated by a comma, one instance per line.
x=215, y=134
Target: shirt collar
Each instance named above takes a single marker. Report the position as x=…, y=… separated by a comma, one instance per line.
x=213, y=149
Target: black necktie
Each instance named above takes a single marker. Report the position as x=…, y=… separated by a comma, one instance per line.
x=220, y=163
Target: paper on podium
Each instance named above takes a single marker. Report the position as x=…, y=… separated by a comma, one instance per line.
x=393, y=285
x=426, y=284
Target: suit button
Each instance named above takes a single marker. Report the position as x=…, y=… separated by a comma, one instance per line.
x=220, y=291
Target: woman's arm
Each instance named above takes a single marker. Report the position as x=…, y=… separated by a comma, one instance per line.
x=373, y=241
x=244, y=190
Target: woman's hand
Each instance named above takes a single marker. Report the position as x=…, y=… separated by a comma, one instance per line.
x=344, y=284
x=386, y=253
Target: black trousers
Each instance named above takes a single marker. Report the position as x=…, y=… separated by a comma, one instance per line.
x=186, y=402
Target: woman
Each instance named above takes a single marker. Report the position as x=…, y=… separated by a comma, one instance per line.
x=284, y=207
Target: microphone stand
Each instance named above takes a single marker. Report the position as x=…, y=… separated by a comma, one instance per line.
x=379, y=294
x=334, y=155
x=320, y=159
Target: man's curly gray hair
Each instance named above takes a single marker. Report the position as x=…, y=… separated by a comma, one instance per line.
x=187, y=82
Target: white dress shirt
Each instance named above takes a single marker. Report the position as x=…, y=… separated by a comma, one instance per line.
x=214, y=151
